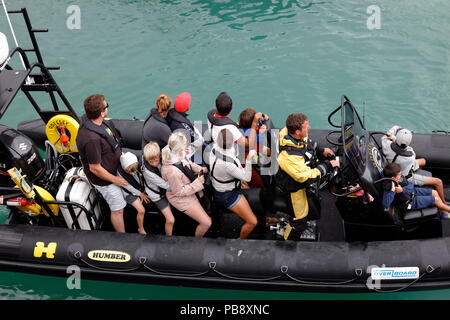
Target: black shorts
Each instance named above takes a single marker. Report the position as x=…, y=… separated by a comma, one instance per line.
x=162, y=203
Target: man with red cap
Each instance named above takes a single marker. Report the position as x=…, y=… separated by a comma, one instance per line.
x=177, y=120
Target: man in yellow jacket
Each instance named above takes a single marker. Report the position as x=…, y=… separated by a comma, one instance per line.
x=297, y=158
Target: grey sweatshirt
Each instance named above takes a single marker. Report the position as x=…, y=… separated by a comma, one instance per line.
x=155, y=182
x=224, y=170
x=406, y=163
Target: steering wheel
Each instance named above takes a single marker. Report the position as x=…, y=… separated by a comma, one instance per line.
x=330, y=141
x=377, y=132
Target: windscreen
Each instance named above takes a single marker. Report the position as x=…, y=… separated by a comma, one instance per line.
x=354, y=134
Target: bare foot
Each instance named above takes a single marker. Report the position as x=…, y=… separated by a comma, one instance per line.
x=142, y=231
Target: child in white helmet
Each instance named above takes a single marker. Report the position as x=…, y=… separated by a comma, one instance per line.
x=134, y=192
x=396, y=148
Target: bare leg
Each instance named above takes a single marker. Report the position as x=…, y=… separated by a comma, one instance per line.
x=421, y=162
x=197, y=213
x=243, y=210
x=140, y=215
x=170, y=220
x=117, y=220
x=437, y=184
x=439, y=204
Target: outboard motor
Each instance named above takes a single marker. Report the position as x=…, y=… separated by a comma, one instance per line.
x=17, y=150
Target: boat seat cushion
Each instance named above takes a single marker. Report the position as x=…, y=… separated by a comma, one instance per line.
x=281, y=204
x=411, y=215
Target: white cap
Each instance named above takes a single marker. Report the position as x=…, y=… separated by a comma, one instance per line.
x=127, y=159
x=403, y=137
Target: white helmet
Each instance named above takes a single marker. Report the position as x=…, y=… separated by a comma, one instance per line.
x=403, y=137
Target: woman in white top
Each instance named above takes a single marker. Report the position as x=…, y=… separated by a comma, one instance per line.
x=226, y=175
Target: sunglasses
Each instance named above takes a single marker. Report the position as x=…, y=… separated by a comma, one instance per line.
x=107, y=106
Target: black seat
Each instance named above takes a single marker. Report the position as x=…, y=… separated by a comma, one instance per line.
x=414, y=215
x=280, y=202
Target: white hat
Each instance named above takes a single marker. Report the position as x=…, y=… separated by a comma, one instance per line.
x=403, y=137
x=127, y=159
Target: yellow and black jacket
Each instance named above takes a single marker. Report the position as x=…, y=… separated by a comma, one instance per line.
x=297, y=159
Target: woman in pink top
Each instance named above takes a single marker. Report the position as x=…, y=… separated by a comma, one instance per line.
x=183, y=190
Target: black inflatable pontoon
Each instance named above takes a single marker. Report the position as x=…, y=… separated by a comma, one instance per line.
x=353, y=235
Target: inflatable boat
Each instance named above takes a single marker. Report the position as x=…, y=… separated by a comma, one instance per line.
x=56, y=220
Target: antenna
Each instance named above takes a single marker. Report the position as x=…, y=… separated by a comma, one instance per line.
x=364, y=114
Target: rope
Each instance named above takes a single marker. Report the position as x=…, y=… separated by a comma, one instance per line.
x=142, y=261
x=212, y=266
x=284, y=270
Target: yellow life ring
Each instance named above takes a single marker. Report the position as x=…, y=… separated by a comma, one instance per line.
x=35, y=209
x=61, y=131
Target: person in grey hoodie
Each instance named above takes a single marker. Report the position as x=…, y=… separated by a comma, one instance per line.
x=155, y=185
x=396, y=148
x=155, y=126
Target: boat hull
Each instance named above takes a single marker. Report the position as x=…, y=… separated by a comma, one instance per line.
x=220, y=263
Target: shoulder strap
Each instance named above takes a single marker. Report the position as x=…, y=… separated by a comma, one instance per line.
x=152, y=170
x=114, y=142
x=187, y=171
x=117, y=134
x=400, y=151
x=130, y=179
x=219, y=121
x=224, y=158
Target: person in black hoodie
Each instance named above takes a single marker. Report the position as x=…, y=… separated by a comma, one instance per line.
x=155, y=126
x=177, y=118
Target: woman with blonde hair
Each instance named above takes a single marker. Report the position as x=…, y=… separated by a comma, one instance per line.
x=186, y=181
x=155, y=126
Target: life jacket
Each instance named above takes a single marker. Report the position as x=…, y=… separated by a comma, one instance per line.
x=138, y=185
x=181, y=117
x=402, y=200
x=153, y=114
x=284, y=181
x=178, y=116
x=114, y=140
x=225, y=158
x=156, y=171
x=218, y=121
x=399, y=151
x=187, y=171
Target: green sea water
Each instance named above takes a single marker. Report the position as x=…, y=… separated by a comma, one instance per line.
x=279, y=57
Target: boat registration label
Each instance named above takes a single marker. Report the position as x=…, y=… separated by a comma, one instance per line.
x=395, y=273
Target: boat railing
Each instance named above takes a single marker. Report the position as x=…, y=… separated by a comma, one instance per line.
x=28, y=82
x=89, y=213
